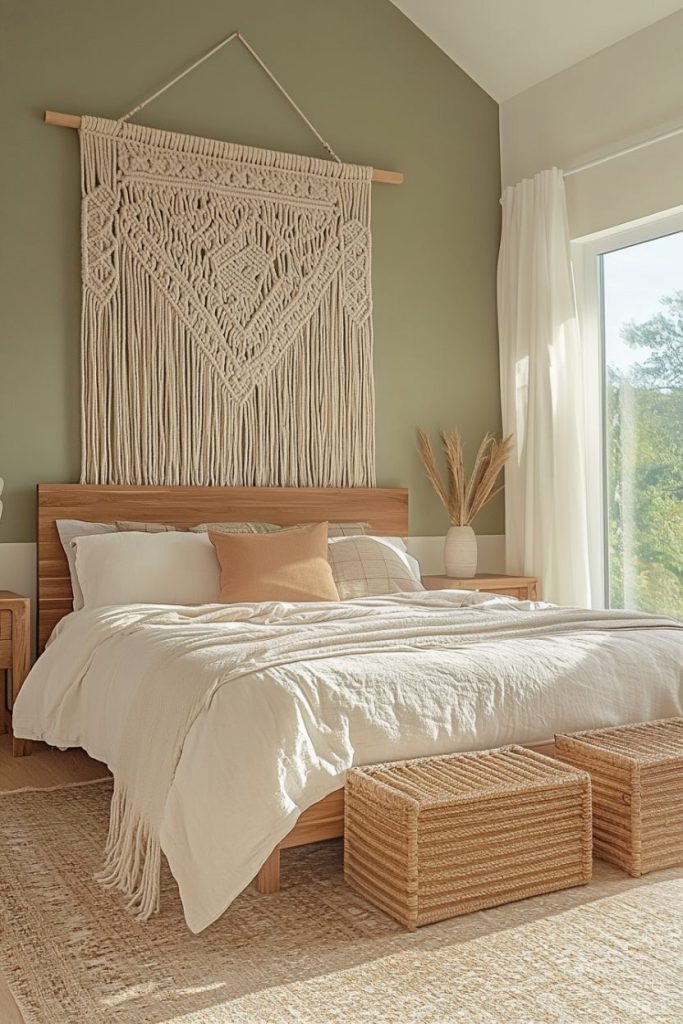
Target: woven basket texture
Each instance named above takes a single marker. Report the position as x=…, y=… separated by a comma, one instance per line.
x=637, y=779
x=432, y=838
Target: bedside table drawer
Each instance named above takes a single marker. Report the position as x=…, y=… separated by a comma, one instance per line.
x=5, y=654
x=15, y=622
x=5, y=625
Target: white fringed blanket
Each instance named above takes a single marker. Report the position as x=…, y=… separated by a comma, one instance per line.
x=226, y=329
x=223, y=723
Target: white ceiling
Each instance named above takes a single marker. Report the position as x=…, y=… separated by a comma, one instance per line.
x=509, y=45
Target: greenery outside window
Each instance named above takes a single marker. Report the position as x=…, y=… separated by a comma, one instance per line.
x=631, y=300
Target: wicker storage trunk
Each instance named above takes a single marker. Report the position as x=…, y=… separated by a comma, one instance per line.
x=441, y=836
x=637, y=779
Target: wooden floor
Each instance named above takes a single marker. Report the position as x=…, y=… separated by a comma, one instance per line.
x=44, y=768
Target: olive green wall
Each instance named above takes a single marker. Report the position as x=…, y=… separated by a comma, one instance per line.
x=377, y=88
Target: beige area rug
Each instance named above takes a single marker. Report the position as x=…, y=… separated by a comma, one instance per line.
x=611, y=952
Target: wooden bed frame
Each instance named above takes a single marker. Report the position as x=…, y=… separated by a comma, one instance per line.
x=386, y=509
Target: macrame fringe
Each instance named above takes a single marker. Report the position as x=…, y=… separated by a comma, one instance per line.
x=132, y=858
x=300, y=428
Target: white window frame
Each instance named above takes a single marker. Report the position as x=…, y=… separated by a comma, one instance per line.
x=587, y=253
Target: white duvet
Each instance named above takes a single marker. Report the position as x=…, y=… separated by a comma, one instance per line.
x=221, y=724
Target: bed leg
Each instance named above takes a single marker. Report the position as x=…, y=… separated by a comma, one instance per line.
x=268, y=878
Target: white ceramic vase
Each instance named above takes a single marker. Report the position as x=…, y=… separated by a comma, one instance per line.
x=460, y=552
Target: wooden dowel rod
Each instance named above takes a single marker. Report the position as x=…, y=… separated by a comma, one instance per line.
x=74, y=121
x=62, y=120
x=387, y=177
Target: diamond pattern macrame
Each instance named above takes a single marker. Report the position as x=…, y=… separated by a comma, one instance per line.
x=99, y=243
x=229, y=313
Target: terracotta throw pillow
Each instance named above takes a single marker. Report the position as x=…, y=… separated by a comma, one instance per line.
x=290, y=565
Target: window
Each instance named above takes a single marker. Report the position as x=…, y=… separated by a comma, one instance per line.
x=632, y=297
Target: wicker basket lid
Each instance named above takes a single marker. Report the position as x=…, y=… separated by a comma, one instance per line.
x=454, y=777
x=645, y=742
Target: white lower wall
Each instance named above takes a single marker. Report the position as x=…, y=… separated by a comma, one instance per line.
x=429, y=553
x=18, y=568
x=18, y=573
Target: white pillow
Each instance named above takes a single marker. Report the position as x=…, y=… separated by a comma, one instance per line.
x=147, y=568
x=371, y=566
x=69, y=530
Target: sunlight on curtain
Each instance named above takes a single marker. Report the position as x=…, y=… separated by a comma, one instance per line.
x=541, y=392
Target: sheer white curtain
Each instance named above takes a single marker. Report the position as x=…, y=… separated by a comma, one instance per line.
x=541, y=370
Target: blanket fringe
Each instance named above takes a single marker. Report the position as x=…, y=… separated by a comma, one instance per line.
x=132, y=858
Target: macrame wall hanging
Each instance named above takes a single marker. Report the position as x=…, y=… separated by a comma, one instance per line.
x=226, y=312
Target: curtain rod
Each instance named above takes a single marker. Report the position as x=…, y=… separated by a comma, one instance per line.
x=623, y=152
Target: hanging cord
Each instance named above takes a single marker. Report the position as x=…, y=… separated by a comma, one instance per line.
x=271, y=76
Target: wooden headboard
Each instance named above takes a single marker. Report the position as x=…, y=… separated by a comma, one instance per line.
x=386, y=509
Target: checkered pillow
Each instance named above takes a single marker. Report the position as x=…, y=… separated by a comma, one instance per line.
x=369, y=567
x=126, y=527
x=235, y=528
x=335, y=530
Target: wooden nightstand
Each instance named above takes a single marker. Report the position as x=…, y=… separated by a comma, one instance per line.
x=15, y=632
x=522, y=587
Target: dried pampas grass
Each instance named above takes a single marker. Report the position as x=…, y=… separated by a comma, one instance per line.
x=463, y=499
